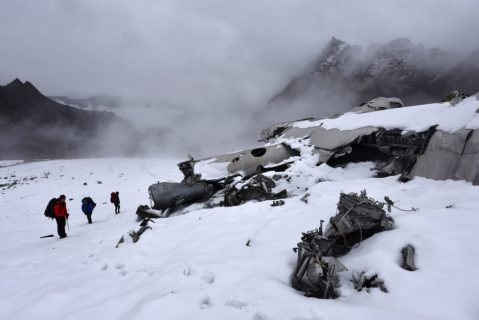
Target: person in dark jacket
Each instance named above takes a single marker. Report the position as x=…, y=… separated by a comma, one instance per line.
x=61, y=215
x=115, y=199
x=87, y=207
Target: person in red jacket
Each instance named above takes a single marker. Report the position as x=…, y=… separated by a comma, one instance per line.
x=61, y=215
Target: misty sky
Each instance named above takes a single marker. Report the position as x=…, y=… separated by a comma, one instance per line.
x=214, y=55
x=204, y=52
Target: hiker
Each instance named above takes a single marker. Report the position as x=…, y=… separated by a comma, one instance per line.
x=61, y=215
x=87, y=207
x=115, y=199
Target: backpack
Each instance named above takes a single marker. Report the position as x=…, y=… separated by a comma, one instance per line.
x=88, y=200
x=113, y=197
x=88, y=205
x=49, y=209
x=87, y=208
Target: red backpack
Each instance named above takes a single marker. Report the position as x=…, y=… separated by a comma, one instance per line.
x=113, y=197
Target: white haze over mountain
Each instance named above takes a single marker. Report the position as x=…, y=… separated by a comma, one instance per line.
x=216, y=63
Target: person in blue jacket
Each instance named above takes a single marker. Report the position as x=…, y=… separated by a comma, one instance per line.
x=87, y=206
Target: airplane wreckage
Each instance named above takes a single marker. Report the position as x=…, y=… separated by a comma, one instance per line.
x=445, y=147
x=436, y=141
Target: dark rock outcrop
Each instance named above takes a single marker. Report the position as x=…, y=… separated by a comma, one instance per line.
x=34, y=126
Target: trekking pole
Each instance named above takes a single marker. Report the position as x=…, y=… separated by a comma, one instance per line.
x=68, y=225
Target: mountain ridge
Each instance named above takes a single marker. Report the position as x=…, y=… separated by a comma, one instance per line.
x=34, y=126
x=398, y=68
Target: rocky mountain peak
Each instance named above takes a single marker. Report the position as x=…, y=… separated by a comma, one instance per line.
x=24, y=89
x=335, y=57
x=349, y=75
x=16, y=83
x=396, y=47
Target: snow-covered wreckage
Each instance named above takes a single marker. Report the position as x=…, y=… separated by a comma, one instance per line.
x=317, y=267
x=436, y=141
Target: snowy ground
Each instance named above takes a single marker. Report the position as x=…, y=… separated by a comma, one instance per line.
x=197, y=265
x=7, y=163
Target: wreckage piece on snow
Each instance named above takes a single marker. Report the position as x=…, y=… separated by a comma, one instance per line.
x=134, y=235
x=316, y=241
x=170, y=196
x=167, y=195
x=468, y=168
x=407, y=254
x=450, y=155
x=315, y=274
x=187, y=168
x=358, y=218
x=378, y=104
x=454, y=97
x=442, y=155
x=256, y=160
x=278, y=203
x=258, y=188
x=277, y=130
x=402, y=149
x=394, y=150
x=396, y=142
x=145, y=212
x=334, y=143
x=145, y=222
x=288, y=130
x=250, y=161
x=362, y=281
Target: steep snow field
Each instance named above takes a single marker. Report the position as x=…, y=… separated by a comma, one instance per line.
x=197, y=265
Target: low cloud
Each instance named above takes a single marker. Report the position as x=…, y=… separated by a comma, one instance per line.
x=217, y=62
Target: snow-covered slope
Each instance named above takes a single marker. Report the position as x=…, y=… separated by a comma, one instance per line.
x=197, y=265
x=415, y=118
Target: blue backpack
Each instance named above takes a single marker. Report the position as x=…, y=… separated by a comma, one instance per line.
x=88, y=205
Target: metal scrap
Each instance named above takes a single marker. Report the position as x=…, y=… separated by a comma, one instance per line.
x=362, y=281
x=135, y=235
x=358, y=217
x=407, y=254
x=277, y=130
x=315, y=274
x=378, y=104
x=170, y=196
x=278, y=203
x=259, y=188
x=145, y=212
x=257, y=160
